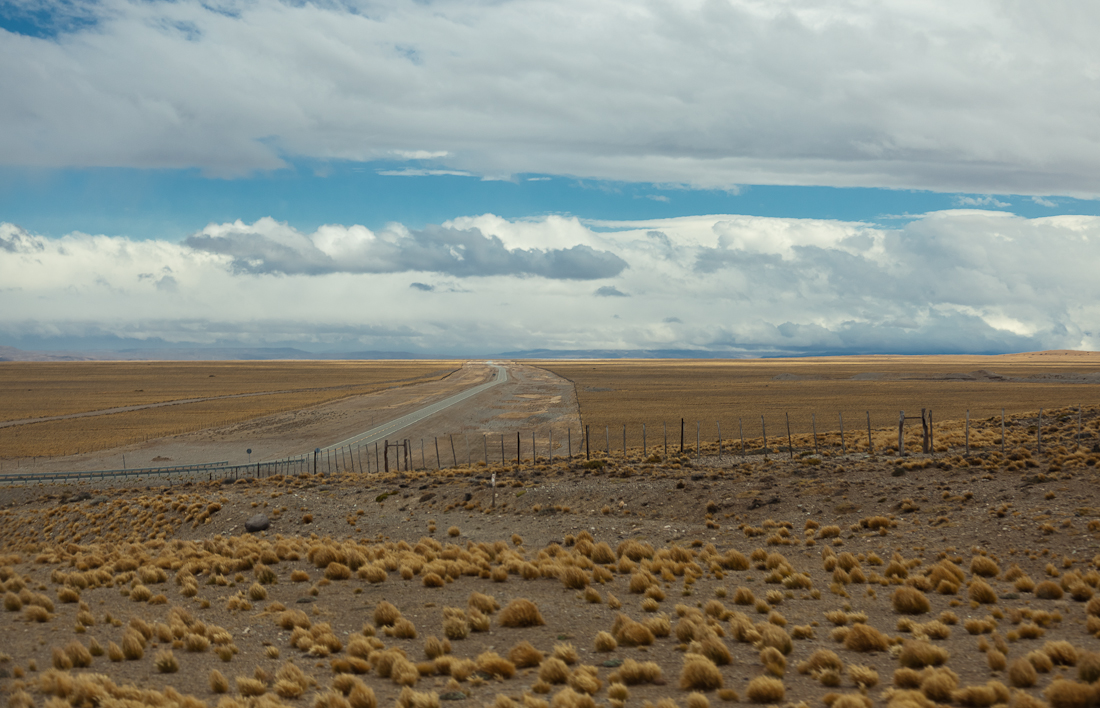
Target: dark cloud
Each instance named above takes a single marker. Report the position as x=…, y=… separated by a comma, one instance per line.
x=672, y=320
x=15, y=240
x=457, y=252
x=610, y=291
x=422, y=286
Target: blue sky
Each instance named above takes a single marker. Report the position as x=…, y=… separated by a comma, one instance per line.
x=725, y=177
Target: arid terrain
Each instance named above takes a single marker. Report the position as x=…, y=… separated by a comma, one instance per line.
x=842, y=579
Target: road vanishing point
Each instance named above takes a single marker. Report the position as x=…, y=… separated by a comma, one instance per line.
x=388, y=430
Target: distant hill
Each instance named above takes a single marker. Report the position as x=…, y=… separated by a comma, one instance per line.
x=196, y=354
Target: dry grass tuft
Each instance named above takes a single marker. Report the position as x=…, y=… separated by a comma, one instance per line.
x=1022, y=674
x=521, y=613
x=765, y=689
x=1070, y=694
x=525, y=655
x=917, y=655
x=865, y=638
x=910, y=601
x=700, y=674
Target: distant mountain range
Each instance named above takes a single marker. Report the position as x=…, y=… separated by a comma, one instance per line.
x=195, y=354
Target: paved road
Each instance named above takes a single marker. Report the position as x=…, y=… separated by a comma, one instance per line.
x=390, y=429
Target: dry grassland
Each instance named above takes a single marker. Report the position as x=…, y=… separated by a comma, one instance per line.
x=570, y=585
x=232, y=391
x=732, y=393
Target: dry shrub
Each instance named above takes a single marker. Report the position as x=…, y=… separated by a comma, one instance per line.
x=456, y=626
x=819, y=661
x=697, y=700
x=847, y=700
x=993, y=692
x=773, y=660
x=568, y=698
x=1041, y=661
x=574, y=578
x=585, y=679
x=248, y=686
x=484, y=603
x=765, y=689
x=773, y=636
x=1062, y=653
x=289, y=619
x=605, y=642
x=78, y=654
x=1022, y=674
x=1088, y=667
x=554, y=671
x=660, y=625
x=863, y=676
x=521, y=613
x=863, y=637
x=418, y=699
x=133, y=646
x=1069, y=694
x=385, y=614
x=630, y=633
x=907, y=678
x=938, y=684
x=910, y=601
x=1048, y=590
x=495, y=665
x=700, y=674
x=634, y=672
x=166, y=662
x=985, y=567
x=566, y=652
x=524, y=655
x=981, y=592
x=917, y=655
x=433, y=580
x=996, y=660
x=743, y=596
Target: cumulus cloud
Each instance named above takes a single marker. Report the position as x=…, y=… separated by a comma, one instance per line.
x=990, y=98
x=268, y=246
x=963, y=280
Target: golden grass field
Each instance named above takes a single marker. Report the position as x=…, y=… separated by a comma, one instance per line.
x=31, y=390
x=656, y=392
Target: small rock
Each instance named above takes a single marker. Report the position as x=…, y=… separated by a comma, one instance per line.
x=426, y=496
x=453, y=696
x=259, y=522
x=305, y=600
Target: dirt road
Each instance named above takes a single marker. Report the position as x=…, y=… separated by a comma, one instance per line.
x=530, y=400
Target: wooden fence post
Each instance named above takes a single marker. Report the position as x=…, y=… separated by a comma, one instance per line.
x=454, y=457
x=316, y=454
x=901, y=433
x=681, y=436
x=790, y=443
x=624, y=442
x=438, y=465
x=931, y=435
x=644, y=454
x=485, y=446
x=517, y=448
x=587, y=445
x=968, y=432
x=386, y=455
x=924, y=432
x=843, y=450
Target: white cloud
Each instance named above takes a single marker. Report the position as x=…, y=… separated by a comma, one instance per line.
x=980, y=202
x=960, y=280
x=987, y=97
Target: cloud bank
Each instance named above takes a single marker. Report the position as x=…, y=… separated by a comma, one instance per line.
x=986, y=97
x=953, y=281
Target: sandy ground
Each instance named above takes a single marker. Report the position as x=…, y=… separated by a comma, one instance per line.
x=532, y=400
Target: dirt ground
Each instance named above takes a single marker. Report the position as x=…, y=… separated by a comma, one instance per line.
x=676, y=531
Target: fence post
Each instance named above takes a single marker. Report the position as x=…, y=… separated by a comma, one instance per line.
x=1039, y=432
x=624, y=441
x=1002, y=431
x=718, y=423
x=813, y=426
x=385, y=454
x=437, y=465
x=968, y=432
x=517, y=448
x=870, y=445
x=931, y=435
x=901, y=433
x=454, y=457
x=681, y=436
x=764, y=432
x=587, y=447
x=316, y=453
x=485, y=445
x=924, y=432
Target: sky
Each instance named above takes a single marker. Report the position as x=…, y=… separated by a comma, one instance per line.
x=473, y=177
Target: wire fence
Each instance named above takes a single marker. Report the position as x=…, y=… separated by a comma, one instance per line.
x=1062, y=429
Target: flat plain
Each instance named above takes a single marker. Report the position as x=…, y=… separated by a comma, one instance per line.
x=109, y=404
x=734, y=395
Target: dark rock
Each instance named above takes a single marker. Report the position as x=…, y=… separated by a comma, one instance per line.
x=323, y=487
x=469, y=496
x=259, y=522
x=426, y=496
x=305, y=600
x=453, y=696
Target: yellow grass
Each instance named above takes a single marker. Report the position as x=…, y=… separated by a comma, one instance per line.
x=30, y=390
x=732, y=392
